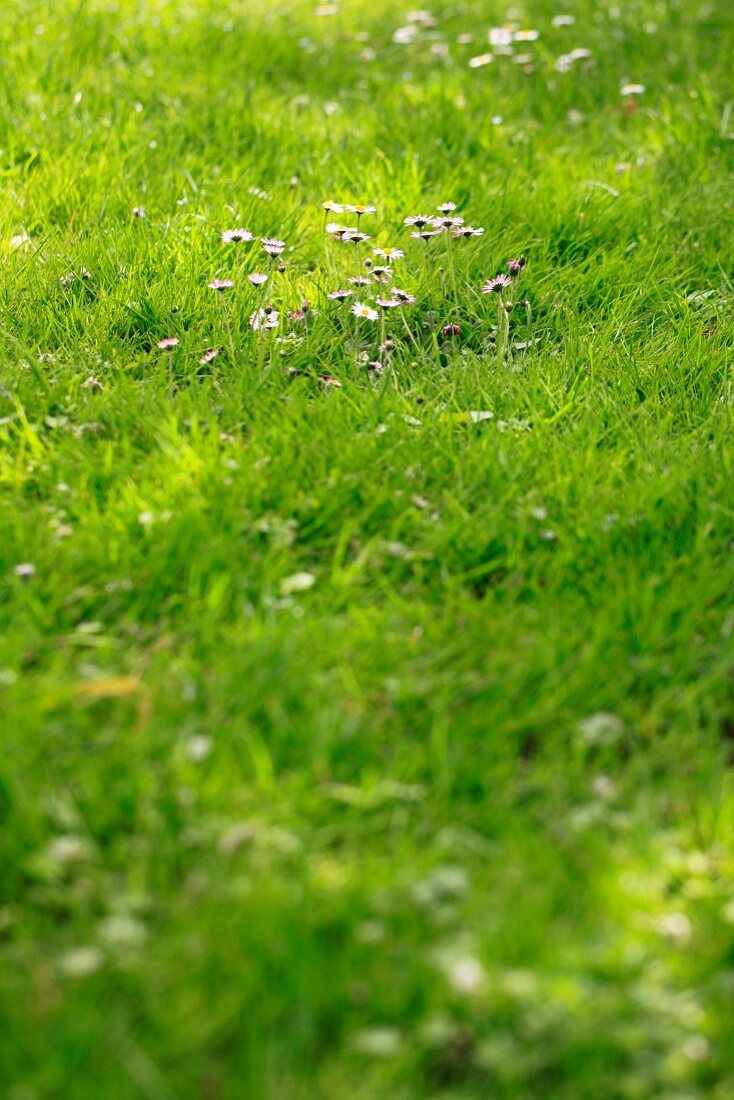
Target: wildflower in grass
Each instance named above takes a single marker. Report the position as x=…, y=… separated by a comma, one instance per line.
x=266, y=318
x=388, y=303
x=207, y=355
x=446, y=221
x=467, y=231
x=374, y=365
x=72, y=277
x=632, y=89
x=516, y=266
x=341, y=295
x=221, y=285
x=418, y=220
x=359, y=280
x=381, y=274
x=403, y=296
x=500, y=36
x=424, y=234
x=236, y=236
x=297, y=315
x=451, y=330
x=581, y=53
x=25, y=570
x=403, y=36
x=563, y=20
x=481, y=60
x=272, y=246
x=446, y=207
x=497, y=284
x=354, y=236
x=389, y=254
x=168, y=343
x=359, y=210
x=364, y=312
x=330, y=380
x=526, y=36
x=257, y=278
x=335, y=229
x=140, y=212
x=281, y=267
x=423, y=18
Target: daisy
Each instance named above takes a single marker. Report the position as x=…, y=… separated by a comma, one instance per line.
x=360, y=280
x=419, y=220
x=221, y=285
x=330, y=380
x=389, y=254
x=140, y=212
x=467, y=231
x=481, y=60
x=496, y=285
x=388, y=303
x=168, y=343
x=403, y=297
x=381, y=274
x=264, y=318
x=446, y=207
x=333, y=207
x=354, y=236
x=257, y=278
x=563, y=20
x=359, y=309
x=632, y=89
x=335, y=229
x=515, y=266
x=208, y=354
x=355, y=208
x=451, y=330
x=340, y=295
x=500, y=36
x=424, y=234
x=234, y=236
x=446, y=222
x=526, y=36
x=272, y=247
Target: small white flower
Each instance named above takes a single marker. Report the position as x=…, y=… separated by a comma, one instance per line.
x=359, y=309
x=632, y=89
x=297, y=582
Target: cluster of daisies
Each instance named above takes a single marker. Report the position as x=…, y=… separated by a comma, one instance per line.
x=369, y=289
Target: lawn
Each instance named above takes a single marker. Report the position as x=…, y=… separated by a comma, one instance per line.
x=367, y=682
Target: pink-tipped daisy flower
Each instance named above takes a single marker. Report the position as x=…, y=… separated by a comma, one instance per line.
x=497, y=284
x=236, y=236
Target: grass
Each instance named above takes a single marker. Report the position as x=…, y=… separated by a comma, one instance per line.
x=352, y=745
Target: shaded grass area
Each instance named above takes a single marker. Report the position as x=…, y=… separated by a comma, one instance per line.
x=353, y=744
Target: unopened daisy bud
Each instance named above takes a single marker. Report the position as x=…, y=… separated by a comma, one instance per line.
x=368, y=263
x=305, y=307
x=514, y=267
x=451, y=330
x=267, y=310
x=509, y=306
x=281, y=267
